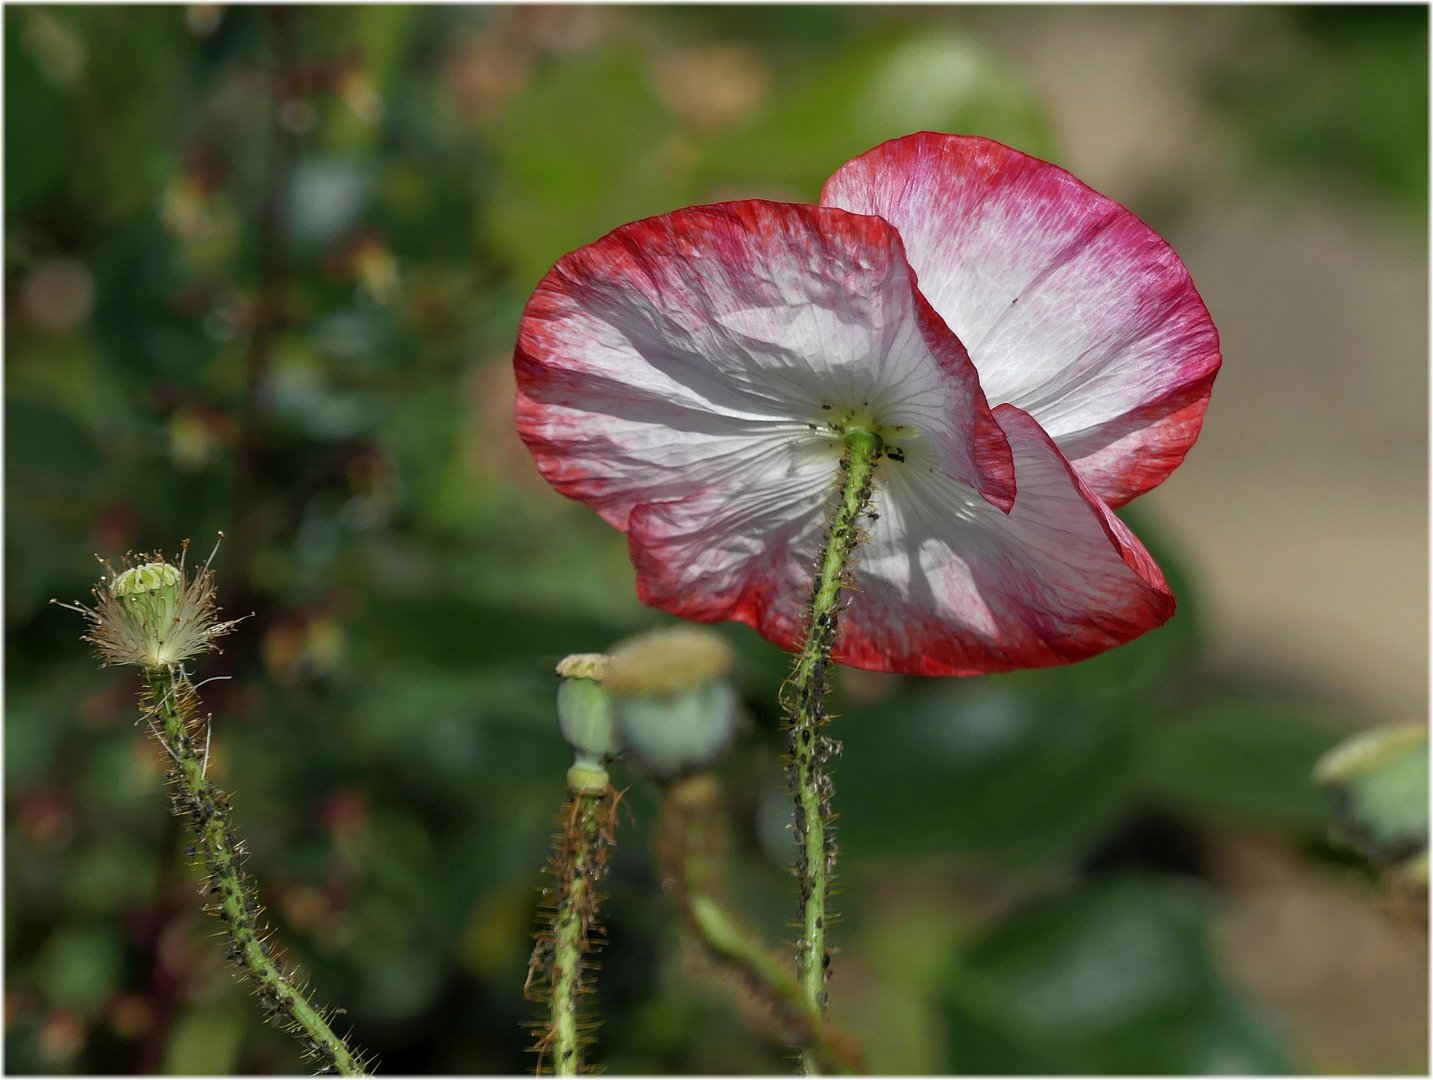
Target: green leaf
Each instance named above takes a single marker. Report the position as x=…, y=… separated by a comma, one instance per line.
x=1113, y=978
x=1242, y=759
x=980, y=768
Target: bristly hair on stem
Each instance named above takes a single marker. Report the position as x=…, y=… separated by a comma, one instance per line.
x=570, y=933
x=153, y=614
x=171, y=705
x=691, y=843
x=809, y=750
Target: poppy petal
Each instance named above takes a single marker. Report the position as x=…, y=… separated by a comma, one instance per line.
x=720, y=343
x=1071, y=307
x=944, y=584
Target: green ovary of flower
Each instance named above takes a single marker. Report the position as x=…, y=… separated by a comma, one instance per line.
x=149, y=595
x=864, y=441
x=668, y=736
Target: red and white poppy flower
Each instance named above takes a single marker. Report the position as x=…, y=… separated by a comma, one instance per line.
x=1030, y=352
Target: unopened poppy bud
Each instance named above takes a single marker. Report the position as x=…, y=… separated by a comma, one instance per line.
x=1368, y=751
x=1378, y=784
x=676, y=712
x=584, y=714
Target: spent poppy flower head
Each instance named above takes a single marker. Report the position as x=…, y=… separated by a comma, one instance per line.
x=1028, y=352
x=153, y=613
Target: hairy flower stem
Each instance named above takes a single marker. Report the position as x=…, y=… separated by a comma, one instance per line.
x=171, y=704
x=804, y=699
x=692, y=840
x=561, y=961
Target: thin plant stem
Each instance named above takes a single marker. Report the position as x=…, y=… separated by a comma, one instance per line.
x=570, y=935
x=692, y=842
x=803, y=698
x=171, y=705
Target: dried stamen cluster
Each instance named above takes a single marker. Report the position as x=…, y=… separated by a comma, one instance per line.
x=153, y=614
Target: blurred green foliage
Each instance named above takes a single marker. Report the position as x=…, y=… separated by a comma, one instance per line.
x=1344, y=95
x=1114, y=979
x=388, y=726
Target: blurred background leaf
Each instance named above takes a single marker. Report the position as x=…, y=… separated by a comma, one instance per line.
x=1117, y=978
x=1244, y=758
x=1351, y=123
x=895, y=82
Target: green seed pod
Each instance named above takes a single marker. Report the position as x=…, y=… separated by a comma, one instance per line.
x=152, y=613
x=676, y=712
x=584, y=710
x=149, y=595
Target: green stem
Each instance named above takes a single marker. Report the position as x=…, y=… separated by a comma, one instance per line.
x=570, y=939
x=172, y=703
x=804, y=698
x=558, y=972
x=692, y=839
